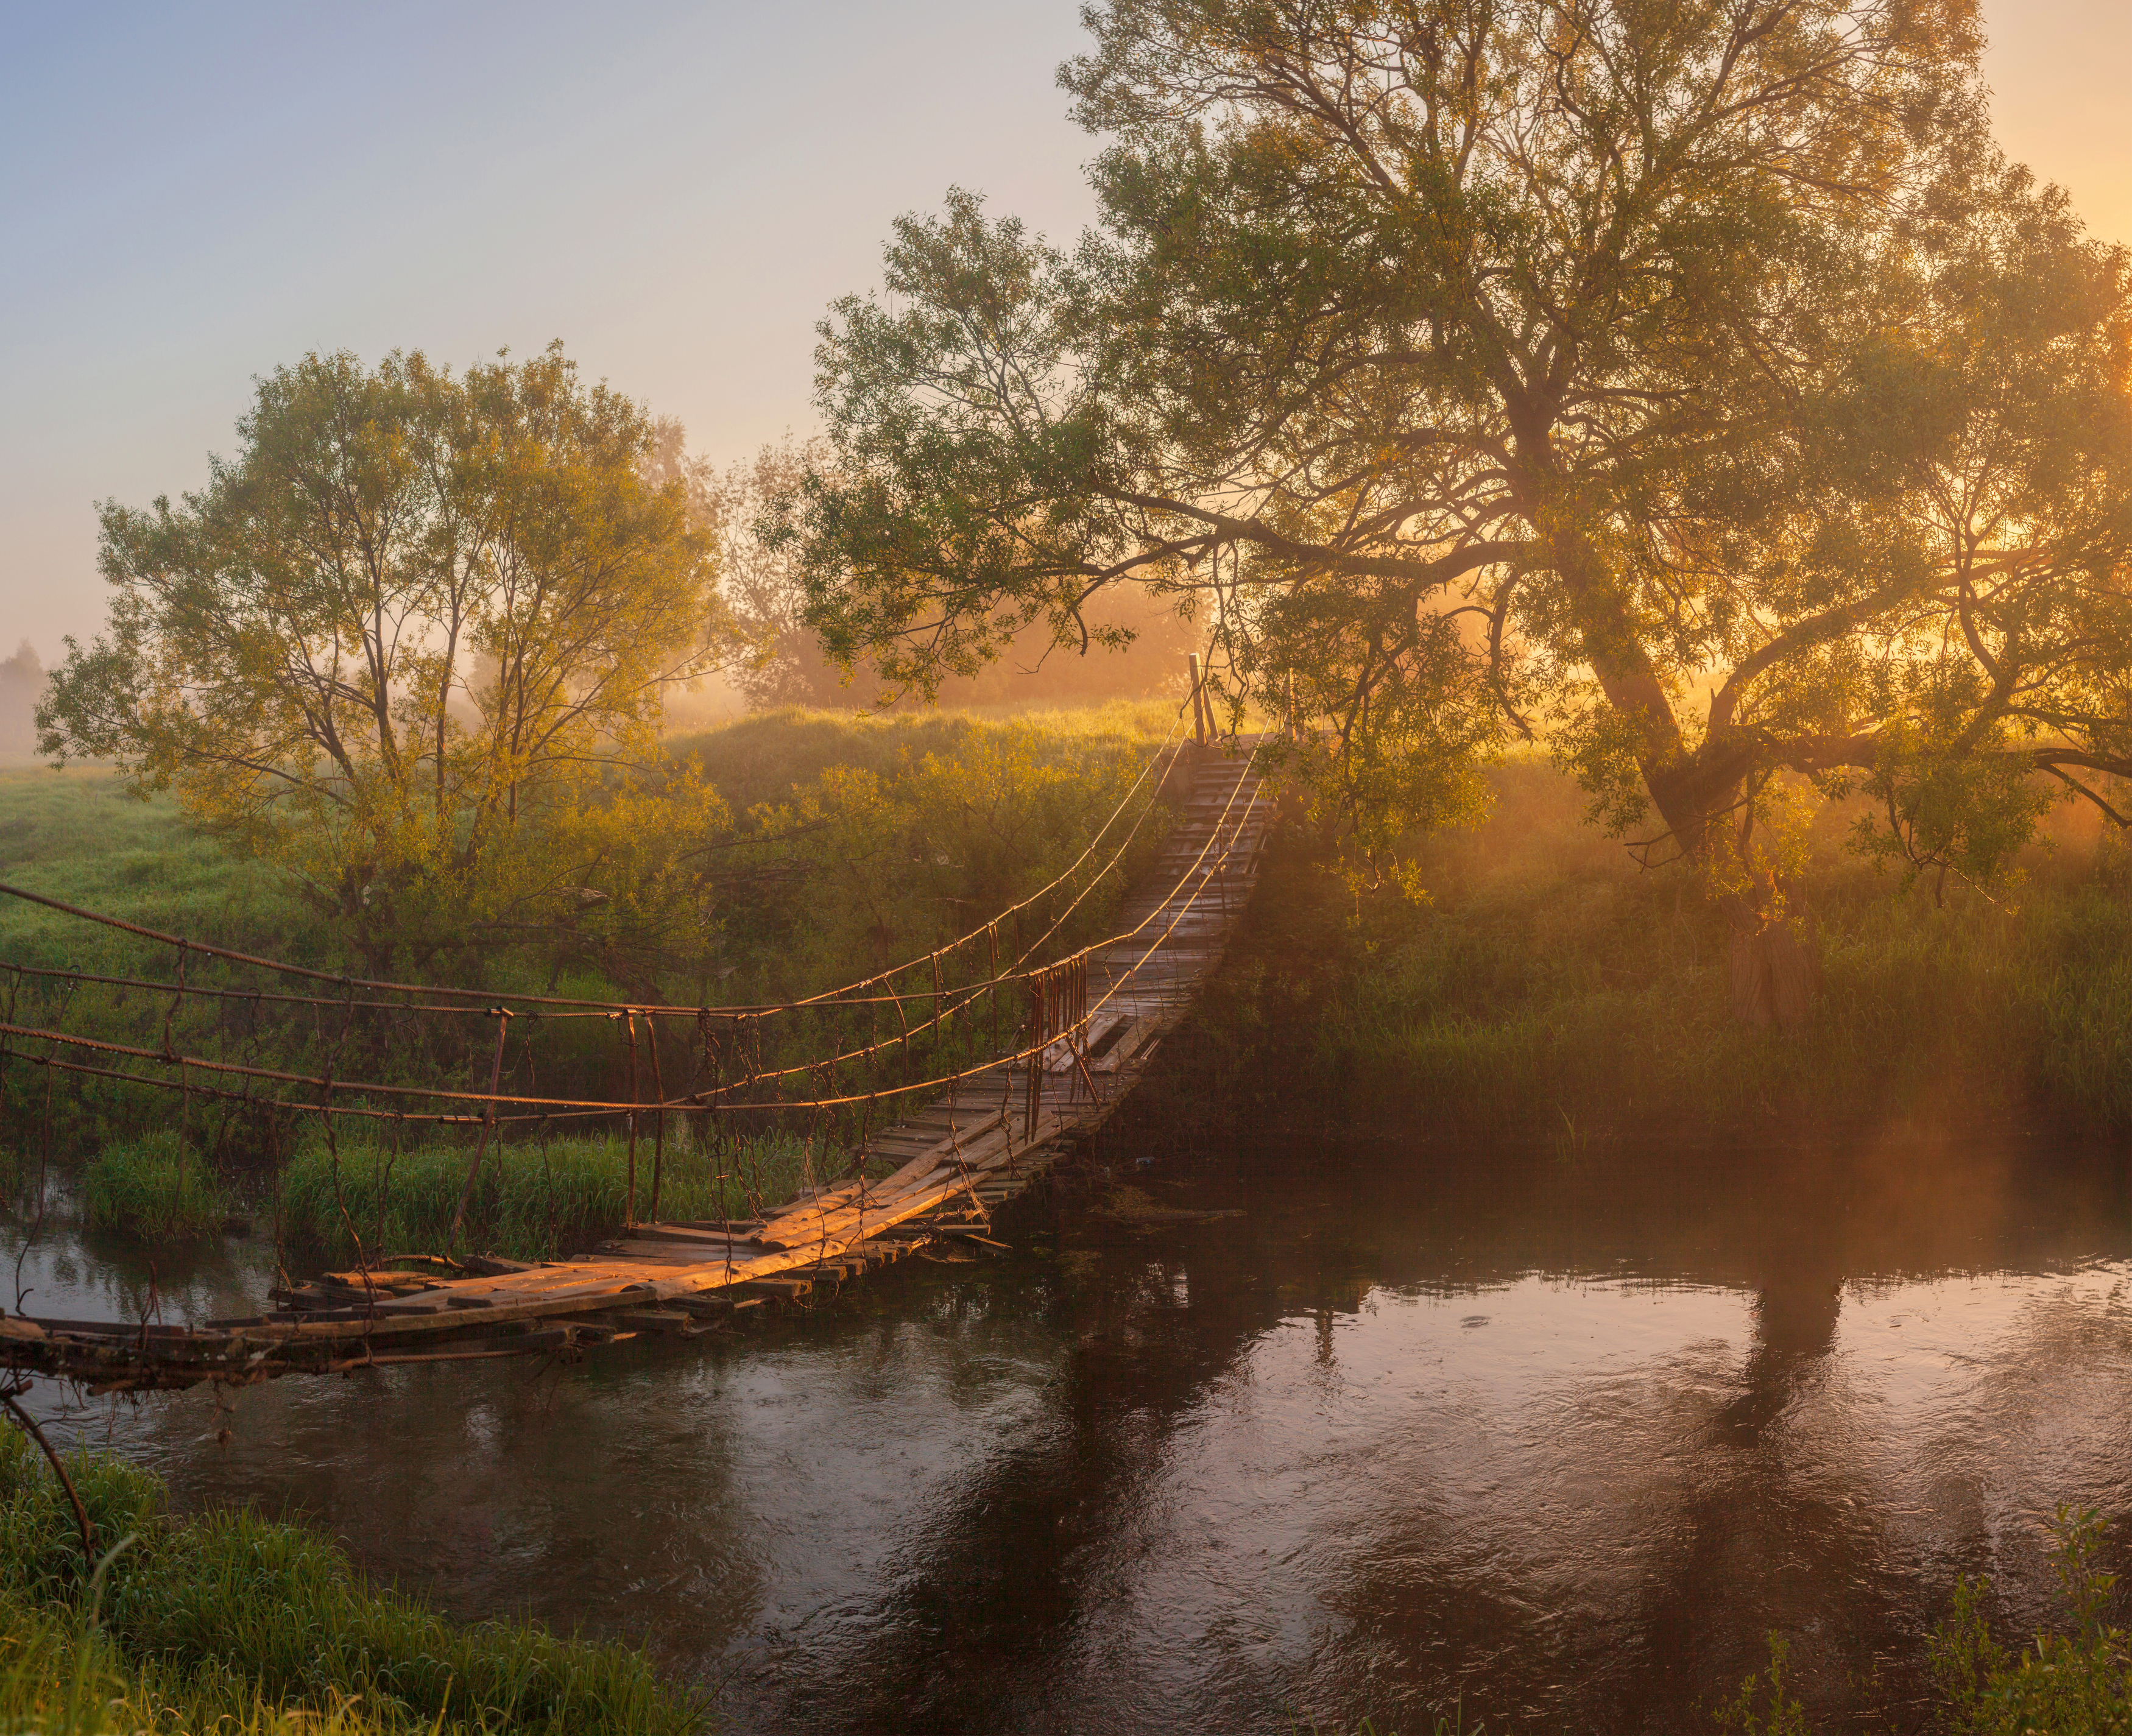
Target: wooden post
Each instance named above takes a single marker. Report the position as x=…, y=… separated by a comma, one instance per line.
x=991, y=974
x=1198, y=700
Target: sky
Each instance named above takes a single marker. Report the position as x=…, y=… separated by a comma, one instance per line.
x=190, y=195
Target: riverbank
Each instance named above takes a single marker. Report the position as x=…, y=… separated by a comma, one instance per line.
x=230, y=1622
x=1549, y=990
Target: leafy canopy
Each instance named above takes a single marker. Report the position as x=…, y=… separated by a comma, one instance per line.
x=1690, y=381
x=405, y=633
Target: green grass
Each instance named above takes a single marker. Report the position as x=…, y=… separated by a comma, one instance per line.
x=533, y=1201
x=232, y=1615
x=152, y=1185
x=59, y=1675
x=78, y=837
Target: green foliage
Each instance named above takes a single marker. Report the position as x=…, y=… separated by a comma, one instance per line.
x=535, y=1200
x=152, y=1185
x=1762, y=1708
x=1498, y=369
x=231, y=1614
x=2077, y=1683
x=760, y=862
x=917, y=833
x=1946, y=811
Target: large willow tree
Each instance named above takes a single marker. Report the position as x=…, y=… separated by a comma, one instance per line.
x=1690, y=381
x=401, y=640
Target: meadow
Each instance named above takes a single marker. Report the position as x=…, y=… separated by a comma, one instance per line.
x=1546, y=986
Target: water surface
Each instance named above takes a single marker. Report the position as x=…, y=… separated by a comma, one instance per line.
x=1557, y=1440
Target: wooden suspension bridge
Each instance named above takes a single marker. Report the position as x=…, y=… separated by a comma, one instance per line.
x=1094, y=1022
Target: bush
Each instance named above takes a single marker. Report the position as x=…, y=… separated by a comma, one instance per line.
x=234, y=1615
x=2077, y=1683
x=153, y=1185
x=2073, y=1684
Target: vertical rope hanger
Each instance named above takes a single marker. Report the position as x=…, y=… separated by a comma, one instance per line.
x=659, y=1126
x=185, y=1085
x=502, y=1015
x=629, y=1024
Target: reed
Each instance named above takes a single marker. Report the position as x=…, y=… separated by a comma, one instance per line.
x=152, y=1185
x=534, y=1200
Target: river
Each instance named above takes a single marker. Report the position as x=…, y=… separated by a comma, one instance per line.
x=1549, y=1441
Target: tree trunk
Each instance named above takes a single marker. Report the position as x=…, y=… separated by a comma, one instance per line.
x=1773, y=974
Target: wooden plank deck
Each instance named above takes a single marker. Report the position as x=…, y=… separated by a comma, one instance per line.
x=958, y=1159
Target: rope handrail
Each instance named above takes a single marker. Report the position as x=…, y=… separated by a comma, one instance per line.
x=493, y=998
x=1094, y=947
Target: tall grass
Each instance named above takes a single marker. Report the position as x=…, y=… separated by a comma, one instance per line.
x=234, y=1615
x=531, y=1200
x=152, y=1185
x=59, y=1675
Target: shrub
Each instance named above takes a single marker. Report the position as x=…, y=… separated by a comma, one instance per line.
x=2073, y=1684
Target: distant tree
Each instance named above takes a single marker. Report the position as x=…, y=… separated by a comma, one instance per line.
x=21, y=686
x=765, y=591
x=764, y=586
x=1692, y=384
x=418, y=619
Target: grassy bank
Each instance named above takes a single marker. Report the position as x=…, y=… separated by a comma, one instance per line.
x=78, y=836
x=1548, y=988
x=233, y=1617
x=846, y=832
